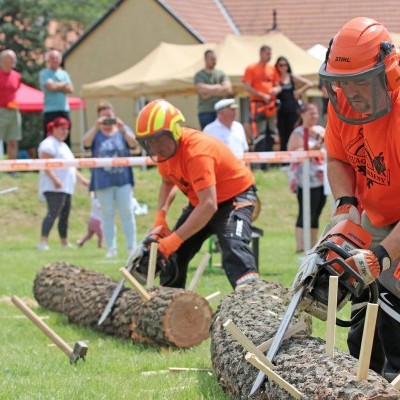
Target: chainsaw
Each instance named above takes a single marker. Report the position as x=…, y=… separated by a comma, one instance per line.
x=137, y=264
x=311, y=284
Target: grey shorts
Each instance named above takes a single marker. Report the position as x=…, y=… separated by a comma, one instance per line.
x=10, y=124
x=390, y=278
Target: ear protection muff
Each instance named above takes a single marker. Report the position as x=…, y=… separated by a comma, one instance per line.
x=391, y=60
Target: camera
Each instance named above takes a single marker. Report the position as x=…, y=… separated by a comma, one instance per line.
x=109, y=121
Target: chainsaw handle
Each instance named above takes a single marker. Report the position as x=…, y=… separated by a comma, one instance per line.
x=372, y=288
x=336, y=248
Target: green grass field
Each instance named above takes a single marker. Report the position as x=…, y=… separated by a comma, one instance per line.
x=32, y=368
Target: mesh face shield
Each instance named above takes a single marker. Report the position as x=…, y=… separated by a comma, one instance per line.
x=160, y=146
x=358, y=98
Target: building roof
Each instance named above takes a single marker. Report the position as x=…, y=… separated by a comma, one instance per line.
x=312, y=21
x=305, y=22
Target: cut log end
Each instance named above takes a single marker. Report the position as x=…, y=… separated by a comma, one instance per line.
x=187, y=320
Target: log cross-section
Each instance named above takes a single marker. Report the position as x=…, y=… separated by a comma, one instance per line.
x=172, y=317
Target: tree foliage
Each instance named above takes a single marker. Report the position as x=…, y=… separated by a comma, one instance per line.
x=75, y=16
x=23, y=28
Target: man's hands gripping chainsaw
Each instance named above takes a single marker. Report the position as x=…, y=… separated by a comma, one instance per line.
x=168, y=243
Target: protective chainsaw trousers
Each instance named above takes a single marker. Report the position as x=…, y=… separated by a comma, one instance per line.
x=232, y=225
x=385, y=358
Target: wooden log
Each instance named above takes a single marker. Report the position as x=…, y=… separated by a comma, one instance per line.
x=172, y=317
x=257, y=310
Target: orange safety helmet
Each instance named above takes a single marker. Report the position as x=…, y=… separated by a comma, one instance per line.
x=159, y=117
x=361, y=54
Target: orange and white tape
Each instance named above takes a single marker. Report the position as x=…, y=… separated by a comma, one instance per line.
x=53, y=163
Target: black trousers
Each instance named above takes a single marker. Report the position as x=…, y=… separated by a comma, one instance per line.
x=232, y=225
x=58, y=206
x=317, y=203
x=385, y=355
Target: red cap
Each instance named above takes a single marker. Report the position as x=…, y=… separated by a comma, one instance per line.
x=59, y=121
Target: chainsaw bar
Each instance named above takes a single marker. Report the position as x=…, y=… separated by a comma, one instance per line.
x=138, y=252
x=276, y=343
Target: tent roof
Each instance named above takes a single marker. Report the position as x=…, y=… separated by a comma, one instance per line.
x=169, y=69
x=30, y=99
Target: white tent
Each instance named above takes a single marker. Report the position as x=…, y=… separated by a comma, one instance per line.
x=318, y=51
x=169, y=69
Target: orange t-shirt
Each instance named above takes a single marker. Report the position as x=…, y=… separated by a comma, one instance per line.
x=202, y=161
x=373, y=150
x=261, y=78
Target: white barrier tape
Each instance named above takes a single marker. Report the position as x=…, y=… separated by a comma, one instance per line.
x=32, y=165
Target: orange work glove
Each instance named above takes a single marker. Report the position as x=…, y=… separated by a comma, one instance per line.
x=169, y=244
x=365, y=263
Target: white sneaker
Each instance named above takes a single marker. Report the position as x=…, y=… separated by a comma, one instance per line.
x=43, y=246
x=68, y=246
x=111, y=253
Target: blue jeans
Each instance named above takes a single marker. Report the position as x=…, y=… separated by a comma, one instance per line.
x=122, y=196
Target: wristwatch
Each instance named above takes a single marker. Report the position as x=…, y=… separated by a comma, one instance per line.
x=383, y=257
x=346, y=200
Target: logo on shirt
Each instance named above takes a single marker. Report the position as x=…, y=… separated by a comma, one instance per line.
x=367, y=163
x=376, y=171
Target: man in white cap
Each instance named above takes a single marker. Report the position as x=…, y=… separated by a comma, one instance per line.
x=227, y=129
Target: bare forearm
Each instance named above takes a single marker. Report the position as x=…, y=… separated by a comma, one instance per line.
x=166, y=195
x=342, y=178
x=206, y=91
x=89, y=136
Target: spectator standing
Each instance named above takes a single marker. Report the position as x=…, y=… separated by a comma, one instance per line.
x=10, y=117
x=308, y=136
x=289, y=97
x=211, y=85
x=110, y=137
x=57, y=185
x=361, y=76
x=56, y=84
x=261, y=82
x=228, y=130
x=220, y=190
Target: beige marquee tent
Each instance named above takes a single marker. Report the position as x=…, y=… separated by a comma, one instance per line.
x=169, y=69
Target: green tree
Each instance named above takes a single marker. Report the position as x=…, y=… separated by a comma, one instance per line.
x=76, y=16
x=23, y=28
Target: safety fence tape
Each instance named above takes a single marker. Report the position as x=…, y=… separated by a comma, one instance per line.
x=53, y=163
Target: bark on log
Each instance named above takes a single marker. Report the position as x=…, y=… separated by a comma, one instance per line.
x=173, y=317
x=257, y=309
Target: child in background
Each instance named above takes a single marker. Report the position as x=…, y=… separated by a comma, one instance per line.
x=94, y=223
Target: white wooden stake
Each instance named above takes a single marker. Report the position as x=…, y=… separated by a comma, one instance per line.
x=199, y=271
x=367, y=341
x=136, y=285
x=396, y=382
x=252, y=359
x=213, y=296
x=246, y=342
x=152, y=265
x=331, y=317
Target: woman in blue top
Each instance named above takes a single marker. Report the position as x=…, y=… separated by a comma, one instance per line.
x=110, y=137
